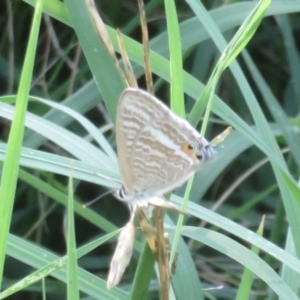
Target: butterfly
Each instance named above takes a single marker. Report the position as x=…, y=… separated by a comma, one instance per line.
x=157, y=150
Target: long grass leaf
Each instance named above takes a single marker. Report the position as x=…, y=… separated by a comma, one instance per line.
x=11, y=164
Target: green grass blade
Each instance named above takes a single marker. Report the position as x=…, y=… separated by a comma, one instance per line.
x=71, y=142
x=290, y=276
x=55, y=8
x=143, y=274
x=241, y=232
x=11, y=163
x=184, y=286
x=72, y=268
x=247, y=278
x=288, y=187
x=176, y=67
x=275, y=109
x=39, y=258
x=235, y=46
x=243, y=255
x=61, y=198
x=291, y=52
x=111, y=84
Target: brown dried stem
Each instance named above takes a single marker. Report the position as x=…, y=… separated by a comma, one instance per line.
x=148, y=73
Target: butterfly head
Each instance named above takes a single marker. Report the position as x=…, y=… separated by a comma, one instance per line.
x=200, y=150
x=142, y=197
x=207, y=152
x=122, y=195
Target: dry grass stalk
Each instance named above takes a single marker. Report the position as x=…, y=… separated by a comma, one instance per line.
x=104, y=36
x=148, y=229
x=162, y=256
x=127, y=65
x=148, y=73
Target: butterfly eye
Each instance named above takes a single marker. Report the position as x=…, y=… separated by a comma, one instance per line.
x=121, y=194
x=199, y=156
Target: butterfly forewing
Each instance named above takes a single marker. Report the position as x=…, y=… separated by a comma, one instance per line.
x=151, y=142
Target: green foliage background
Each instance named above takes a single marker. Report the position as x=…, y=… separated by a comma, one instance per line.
x=71, y=114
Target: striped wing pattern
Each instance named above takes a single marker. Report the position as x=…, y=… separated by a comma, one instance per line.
x=150, y=142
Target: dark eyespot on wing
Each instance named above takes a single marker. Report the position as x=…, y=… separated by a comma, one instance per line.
x=199, y=156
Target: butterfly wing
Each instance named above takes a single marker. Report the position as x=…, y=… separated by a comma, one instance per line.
x=133, y=115
x=153, y=144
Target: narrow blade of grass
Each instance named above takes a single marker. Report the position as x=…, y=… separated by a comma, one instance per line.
x=176, y=67
x=11, y=163
x=247, y=278
x=72, y=268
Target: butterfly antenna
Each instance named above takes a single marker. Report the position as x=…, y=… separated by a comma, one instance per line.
x=96, y=199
